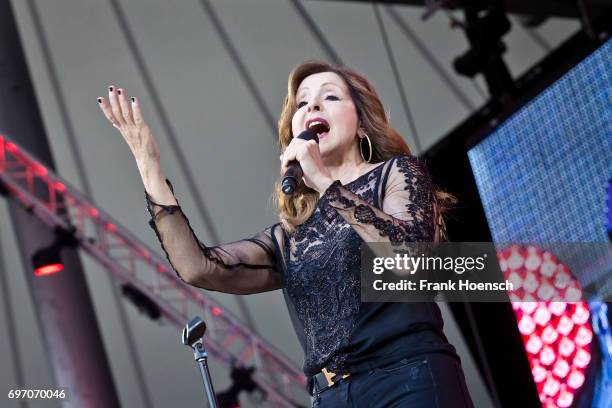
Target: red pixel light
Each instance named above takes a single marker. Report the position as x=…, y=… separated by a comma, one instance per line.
x=48, y=269
x=557, y=335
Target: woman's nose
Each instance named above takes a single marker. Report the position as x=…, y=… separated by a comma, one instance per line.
x=314, y=106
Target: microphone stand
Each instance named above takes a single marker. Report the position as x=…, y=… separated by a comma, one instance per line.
x=192, y=337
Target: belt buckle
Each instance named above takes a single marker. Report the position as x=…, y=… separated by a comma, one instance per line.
x=329, y=375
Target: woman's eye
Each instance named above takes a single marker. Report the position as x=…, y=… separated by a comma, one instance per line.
x=329, y=97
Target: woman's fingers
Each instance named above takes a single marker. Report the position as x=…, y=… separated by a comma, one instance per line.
x=126, y=111
x=125, y=115
x=286, y=157
x=119, y=109
x=290, y=153
x=115, y=106
x=106, y=109
x=136, y=111
x=305, y=152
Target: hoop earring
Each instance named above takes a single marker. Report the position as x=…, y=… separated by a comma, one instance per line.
x=369, y=149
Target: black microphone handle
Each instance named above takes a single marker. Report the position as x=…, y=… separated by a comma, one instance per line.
x=294, y=172
x=292, y=177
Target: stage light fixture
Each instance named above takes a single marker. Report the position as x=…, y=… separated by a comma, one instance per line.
x=485, y=24
x=143, y=303
x=242, y=380
x=48, y=261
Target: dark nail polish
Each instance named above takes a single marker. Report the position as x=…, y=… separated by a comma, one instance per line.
x=133, y=99
x=99, y=100
x=119, y=91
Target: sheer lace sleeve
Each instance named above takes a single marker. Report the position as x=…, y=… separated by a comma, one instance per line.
x=407, y=213
x=240, y=267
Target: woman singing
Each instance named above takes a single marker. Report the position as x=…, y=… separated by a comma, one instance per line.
x=360, y=184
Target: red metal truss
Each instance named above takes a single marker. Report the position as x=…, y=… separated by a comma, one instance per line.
x=131, y=262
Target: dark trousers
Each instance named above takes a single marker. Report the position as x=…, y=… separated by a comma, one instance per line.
x=432, y=380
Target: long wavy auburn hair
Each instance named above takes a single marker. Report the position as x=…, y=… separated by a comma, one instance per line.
x=386, y=142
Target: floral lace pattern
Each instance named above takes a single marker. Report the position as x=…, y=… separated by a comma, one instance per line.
x=322, y=281
x=415, y=225
x=322, y=278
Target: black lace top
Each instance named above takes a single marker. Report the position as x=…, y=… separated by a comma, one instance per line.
x=318, y=267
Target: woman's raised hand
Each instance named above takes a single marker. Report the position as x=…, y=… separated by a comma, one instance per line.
x=125, y=115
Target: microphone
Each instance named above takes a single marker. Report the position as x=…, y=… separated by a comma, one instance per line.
x=294, y=171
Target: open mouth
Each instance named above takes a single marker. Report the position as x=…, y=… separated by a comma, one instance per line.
x=321, y=129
